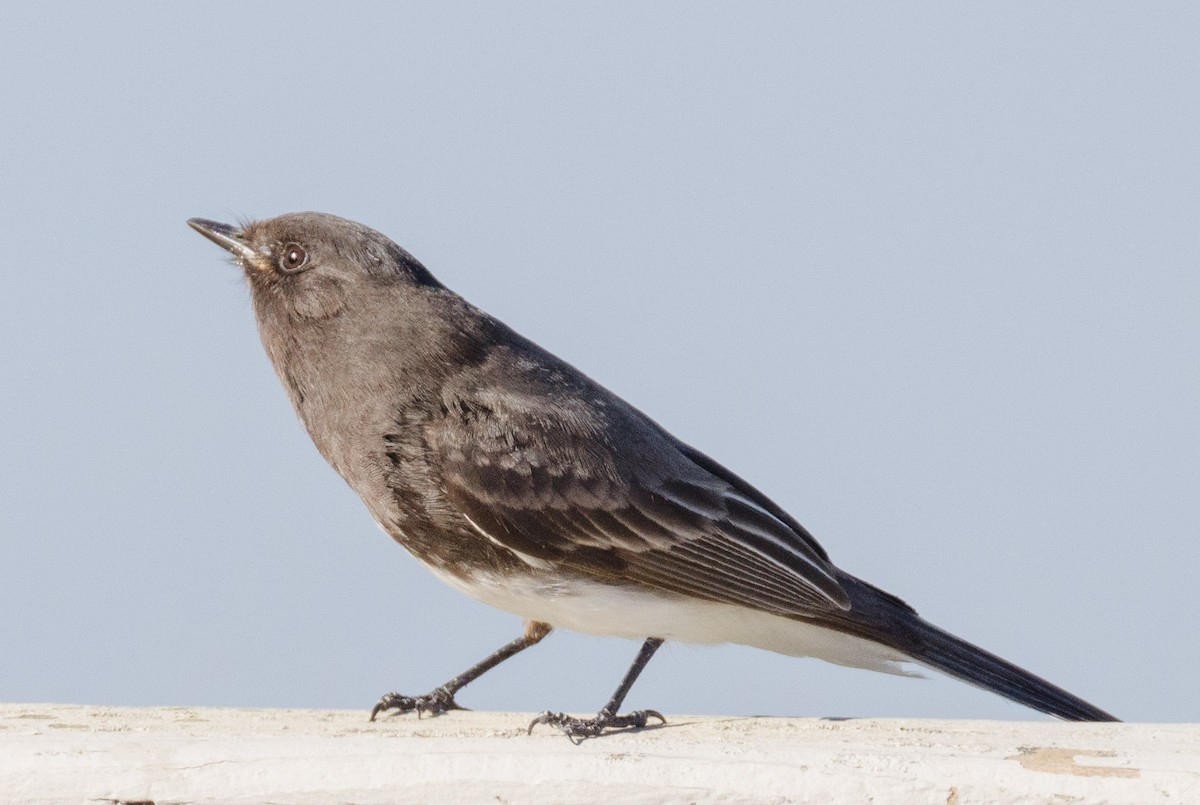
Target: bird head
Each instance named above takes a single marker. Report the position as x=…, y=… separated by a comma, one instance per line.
x=311, y=266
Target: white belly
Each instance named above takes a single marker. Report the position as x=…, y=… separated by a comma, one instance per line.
x=602, y=609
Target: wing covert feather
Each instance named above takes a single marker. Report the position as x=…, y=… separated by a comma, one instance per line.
x=606, y=492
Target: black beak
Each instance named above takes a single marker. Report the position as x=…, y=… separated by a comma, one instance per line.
x=225, y=236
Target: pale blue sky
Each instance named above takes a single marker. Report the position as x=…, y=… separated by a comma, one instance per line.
x=927, y=274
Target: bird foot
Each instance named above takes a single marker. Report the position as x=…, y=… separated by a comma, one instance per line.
x=580, y=729
x=433, y=703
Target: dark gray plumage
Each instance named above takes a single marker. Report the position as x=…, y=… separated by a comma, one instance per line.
x=517, y=479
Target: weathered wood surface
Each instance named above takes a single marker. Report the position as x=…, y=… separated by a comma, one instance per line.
x=84, y=754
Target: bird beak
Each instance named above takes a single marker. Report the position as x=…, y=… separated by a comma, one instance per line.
x=226, y=237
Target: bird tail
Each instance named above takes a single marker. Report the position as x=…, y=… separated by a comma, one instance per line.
x=942, y=651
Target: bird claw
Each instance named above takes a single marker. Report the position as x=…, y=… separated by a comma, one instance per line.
x=580, y=729
x=433, y=703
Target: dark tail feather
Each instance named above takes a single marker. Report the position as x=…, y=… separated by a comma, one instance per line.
x=944, y=652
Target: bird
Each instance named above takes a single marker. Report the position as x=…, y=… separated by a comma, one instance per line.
x=520, y=481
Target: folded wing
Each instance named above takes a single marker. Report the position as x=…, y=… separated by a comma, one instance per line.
x=610, y=494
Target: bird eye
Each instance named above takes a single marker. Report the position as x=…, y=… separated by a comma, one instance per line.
x=293, y=258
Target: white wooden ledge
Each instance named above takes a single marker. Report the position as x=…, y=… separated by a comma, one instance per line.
x=82, y=754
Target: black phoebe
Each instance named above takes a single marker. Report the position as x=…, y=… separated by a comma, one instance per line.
x=520, y=481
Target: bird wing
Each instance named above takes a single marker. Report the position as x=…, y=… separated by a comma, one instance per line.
x=566, y=482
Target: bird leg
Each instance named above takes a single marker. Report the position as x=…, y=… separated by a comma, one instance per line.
x=441, y=699
x=579, y=729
